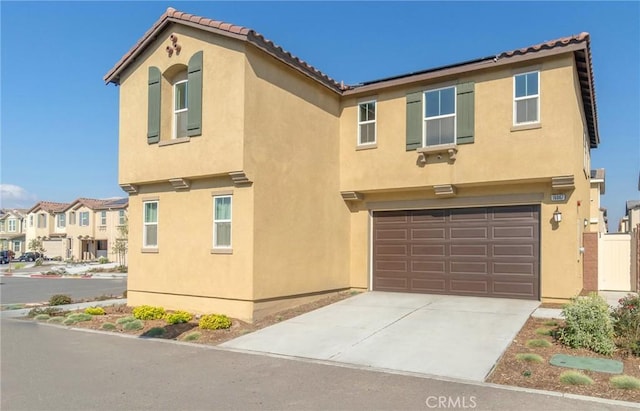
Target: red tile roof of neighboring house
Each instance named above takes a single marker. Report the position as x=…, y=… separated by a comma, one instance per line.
x=579, y=44
x=48, y=206
x=226, y=29
x=98, y=204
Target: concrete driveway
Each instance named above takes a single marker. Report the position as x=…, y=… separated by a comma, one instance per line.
x=447, y=336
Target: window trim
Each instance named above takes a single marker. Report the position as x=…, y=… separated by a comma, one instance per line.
x=438, y=117
x=81, y=213
x=103, y=218
x=527, y=97
x=222, y=248
x=15, y=225
x=122, y=217
x=146, y=246
x=175, y=112
x=60, y=216
x=374, y=122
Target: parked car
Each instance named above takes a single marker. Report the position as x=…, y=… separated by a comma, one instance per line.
x=30, y=256
x=6, y=256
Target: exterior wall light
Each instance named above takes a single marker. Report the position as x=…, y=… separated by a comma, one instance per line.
x=557, y=215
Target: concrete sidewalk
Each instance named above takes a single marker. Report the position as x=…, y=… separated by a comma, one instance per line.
x=448, y=336
x=68, y=307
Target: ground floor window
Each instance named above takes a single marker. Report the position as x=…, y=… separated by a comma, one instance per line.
x=150, y=224
x=222, y=221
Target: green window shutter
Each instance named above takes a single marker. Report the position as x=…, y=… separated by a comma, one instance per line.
x=153, y=124
x=414, y=120
x=194, y=95
x=465, y=114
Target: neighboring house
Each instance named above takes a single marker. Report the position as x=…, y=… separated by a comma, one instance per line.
x=12, y=230
x=631, y=220
x=257, y=182
x=598, y=221
x=43, y=222
x=92, y=227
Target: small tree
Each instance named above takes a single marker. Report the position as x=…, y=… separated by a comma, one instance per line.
x=36, y=246
x=121, y=245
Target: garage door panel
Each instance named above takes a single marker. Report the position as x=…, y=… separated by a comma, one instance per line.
x=431, y=250
x=430, y=267
x=484, y=251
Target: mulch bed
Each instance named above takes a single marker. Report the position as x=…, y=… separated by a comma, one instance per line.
x=544, y=376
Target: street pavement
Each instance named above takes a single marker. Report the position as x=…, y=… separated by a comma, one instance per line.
x=16, y=290
x=48, y=367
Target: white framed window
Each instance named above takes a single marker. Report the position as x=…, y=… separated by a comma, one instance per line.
x=150, y=224
x=103, y=218
x=180, y=108
x=122, y=217
x=31, y=220
x=42, y=221
x=367, y=123
x=2, y=225
x=11, y=225
x=439, y=117
x=526, y=98
x=16, y=246
x=61, y=220
x=84, y=218
x=222, y=221
x=72, y=218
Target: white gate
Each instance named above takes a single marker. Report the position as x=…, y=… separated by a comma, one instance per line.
x=614, y=262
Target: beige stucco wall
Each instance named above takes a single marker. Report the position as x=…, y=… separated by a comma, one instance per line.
x=222, y=111
x=291, y=154
x=501, y=161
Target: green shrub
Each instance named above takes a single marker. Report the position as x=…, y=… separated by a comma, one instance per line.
x=39, y=262
x=59, y=299
x=626, y=324
x=543, y=331
x=192, y=336
x=529, y=357
x=80, y=317
x=147, y=312
x=155, y=332
x=551, y=323
x=124, y=320
x=538, y=343
x=103, y=260
x=44, y=310
x=575, y=378
x=18, y=266
x=94, y=310
x=178, y=317
x=588, y=325
x=108, y=326
x=55, y=320
x=625, y=382
x=68, y=321
x=133, y=325
x=41, y=317
x=214, y=322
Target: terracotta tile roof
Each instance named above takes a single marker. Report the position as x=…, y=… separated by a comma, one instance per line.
x=226, y=29
x=98, y=204
x=48, y=206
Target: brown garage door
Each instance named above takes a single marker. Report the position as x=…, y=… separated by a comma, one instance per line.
x=489, y=251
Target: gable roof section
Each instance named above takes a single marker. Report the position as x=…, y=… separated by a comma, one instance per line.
x=15, y=212
x=224, y=29
x=579, y=44
x=48, y=206
x=98, y=204
x=632, y=204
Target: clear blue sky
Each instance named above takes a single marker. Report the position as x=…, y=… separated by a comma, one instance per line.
x=59, y=124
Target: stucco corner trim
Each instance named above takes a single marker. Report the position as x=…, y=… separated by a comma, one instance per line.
x=174, y=141
x=563, y=182
x=450, y=150
x=129, y=188
x=239, y=178
x=351, y=196
x=222, y=251
x=150, y=250
x=180, y=183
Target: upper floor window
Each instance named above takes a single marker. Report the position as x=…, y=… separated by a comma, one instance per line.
x=103, y=218
x=440, y=116
x=72, y=217
x=150, y=224
x=122, y=217
x=1, y=225
x=31, y=221
x=526, y=98
x=42, y=221
x=180, y=108
x=84, y=218
x=367, y=123
x=222, y=221
x=12, y=225
x=61, y=220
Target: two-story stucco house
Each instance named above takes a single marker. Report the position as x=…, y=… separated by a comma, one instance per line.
x=45, y=222
x=12, y=230
x=257, y=182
